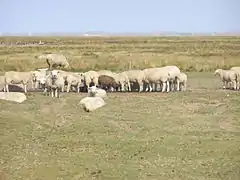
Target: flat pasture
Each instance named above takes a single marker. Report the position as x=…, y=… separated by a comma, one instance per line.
x=201, y=54
x=184, y=135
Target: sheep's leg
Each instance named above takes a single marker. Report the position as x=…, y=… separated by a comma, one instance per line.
x=168, y=86
x=25, y=88
x=7, y=88
x=140, y=86
x=52, y=93
x=164, y=86
x=151, y=87
x=234, y=85
x=68, y=87
x=129, y=86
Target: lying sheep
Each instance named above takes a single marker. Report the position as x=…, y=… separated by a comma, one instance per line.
x=55, y=60
x=107, y=82
x=90, y=104
x=227, y=76
x=183, y=81
x=14, y=77
x=96, y=92
x=54, y=82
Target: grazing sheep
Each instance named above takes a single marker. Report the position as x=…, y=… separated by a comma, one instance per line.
x=90, y=104
x=96, y=92
x=55, y=60
x=107, y=82
x=136, y=76
x=14, y=77
x=54, y=82
x=183, y=81
x=227, y=76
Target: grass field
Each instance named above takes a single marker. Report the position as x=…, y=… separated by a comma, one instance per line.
x=185, y=135
x=121, y=53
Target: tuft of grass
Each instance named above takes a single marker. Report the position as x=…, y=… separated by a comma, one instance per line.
x=202, y=54
x=184, y=135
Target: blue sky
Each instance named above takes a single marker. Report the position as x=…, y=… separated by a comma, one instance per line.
x=119, y=15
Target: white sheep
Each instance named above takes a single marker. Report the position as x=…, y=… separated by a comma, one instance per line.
x=54, y=82
x=55, y=60
x=92, y=103
x=228, y=76
x=183, y=81
x=91, y=77
x=74, y=80
x=156, y=76
x=136, y=76
x=96, y=92
x=14, y=77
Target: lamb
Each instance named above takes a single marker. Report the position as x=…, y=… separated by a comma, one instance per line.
x=107, y=82
x=183, y=81
x=136, y=76
x=55, y=60
x=90, y=104
x=227, y=76
x=14, y=77
x=96, y=92
x=54, y=82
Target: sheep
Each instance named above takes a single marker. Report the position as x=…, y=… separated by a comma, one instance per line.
x=183, y=81
x=136, y=76
x=96, y=92
x=227, y=76
x=14, y=77
x=54, y=82
x=74, y=80
x=123, y=80
x=107, y=82
x=55, y=60
x=91, y=77
x=90, y=104
x=174, y=74
x=157, y=75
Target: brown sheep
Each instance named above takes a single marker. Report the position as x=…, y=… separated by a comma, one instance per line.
x=107, y=82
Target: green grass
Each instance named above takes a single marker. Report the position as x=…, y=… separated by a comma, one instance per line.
x=185, y=135
x=121, y=53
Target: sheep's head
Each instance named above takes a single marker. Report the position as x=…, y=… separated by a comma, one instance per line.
x=54, y=73
x=218, y=72
x=43, y=56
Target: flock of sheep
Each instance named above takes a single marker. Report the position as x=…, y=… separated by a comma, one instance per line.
x=53, y=80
